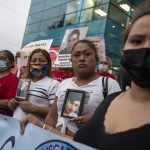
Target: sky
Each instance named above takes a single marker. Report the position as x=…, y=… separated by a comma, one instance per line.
x=13, y=17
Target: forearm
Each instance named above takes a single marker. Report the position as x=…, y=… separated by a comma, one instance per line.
x=4, y=103
x=51, y=119
x=38, y=110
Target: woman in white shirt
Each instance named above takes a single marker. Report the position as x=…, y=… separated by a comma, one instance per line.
x=84, y=60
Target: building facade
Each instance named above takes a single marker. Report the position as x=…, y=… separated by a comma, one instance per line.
x=49, y=19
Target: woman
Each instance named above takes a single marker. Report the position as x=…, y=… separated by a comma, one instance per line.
x=84, y=60
x=8, y=81
x=122, y=121
x=42, y=87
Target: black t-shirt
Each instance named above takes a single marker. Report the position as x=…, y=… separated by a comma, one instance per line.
x=94, y=135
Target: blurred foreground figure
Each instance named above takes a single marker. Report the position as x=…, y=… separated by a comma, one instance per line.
x=122, y=120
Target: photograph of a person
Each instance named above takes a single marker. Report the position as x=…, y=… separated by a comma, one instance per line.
x=73, y=37
x=22, y=89
x=73, y=103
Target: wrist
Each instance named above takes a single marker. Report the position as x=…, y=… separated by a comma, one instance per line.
x=46, y=127
x=31, y=109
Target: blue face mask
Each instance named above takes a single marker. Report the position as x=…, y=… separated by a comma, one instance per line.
x=3, y=65
x=39, y=72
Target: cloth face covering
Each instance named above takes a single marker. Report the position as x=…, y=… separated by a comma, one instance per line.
x=39, y=70
x=137, y=64
x=103, y=67
x=3, y=66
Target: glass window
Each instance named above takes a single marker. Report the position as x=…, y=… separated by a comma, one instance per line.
x=32, y=28
x=51, y=13
x=95, y=27
x=94, y=13
x=72, y=18
x=124, y=5
x=61, y=21
x=37, y=8
x=86, y=15
x=34, y=18
x=52, y=3
x=118, y=16
x=63, y=9
x=48, y=24
x=73, y=6
x=99, y=2
x=114, y=29
x=92, y=3
x=88, y=3
x=35, y=1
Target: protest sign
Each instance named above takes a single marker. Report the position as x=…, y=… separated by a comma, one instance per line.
x=100, y=45
x=71, y=36
x=34, y=138
x=26, y=51
x=53, y=54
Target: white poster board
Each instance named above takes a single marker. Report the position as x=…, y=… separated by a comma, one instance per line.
x=26, y=51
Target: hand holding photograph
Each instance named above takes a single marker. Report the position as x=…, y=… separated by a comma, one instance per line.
x=22, y=89
x=73, y=103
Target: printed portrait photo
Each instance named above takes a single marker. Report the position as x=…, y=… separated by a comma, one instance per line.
x=73, y=103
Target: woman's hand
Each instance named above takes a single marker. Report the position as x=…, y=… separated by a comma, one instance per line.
x=12, y=104
x=26, y=106
x=29, y=119
x=82, y=120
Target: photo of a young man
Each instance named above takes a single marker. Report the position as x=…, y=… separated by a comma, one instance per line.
x=73, y=37
x=73, y=103
x=71, y=108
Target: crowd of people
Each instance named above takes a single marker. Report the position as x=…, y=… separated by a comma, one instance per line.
x=118, y=121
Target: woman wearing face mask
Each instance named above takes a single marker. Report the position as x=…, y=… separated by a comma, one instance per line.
x=42, y=88
x=104, y=67
x=8, y=81
x=122, y=121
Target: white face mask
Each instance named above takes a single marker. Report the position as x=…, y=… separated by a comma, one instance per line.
x=103, y=67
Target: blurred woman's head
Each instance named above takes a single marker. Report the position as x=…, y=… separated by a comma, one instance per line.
x=141, y=11
x=84, y=58
x=39, y=64
x=136, y=50
x=6, y=60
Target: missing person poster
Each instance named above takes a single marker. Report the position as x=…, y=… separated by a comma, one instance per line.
x=26, y=51
x=71, y=36
x=100, y=45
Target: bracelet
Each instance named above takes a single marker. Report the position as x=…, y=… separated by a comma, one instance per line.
x=44, y=126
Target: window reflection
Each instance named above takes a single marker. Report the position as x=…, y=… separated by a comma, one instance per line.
x=119, y=16
x=73, y=6
x=34, y=18
x=93, y=3
x=71, y=18
x=124, y=5
x=32, y=28
x=94, y=13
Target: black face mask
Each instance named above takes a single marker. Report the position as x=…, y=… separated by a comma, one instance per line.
x=137, y=64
